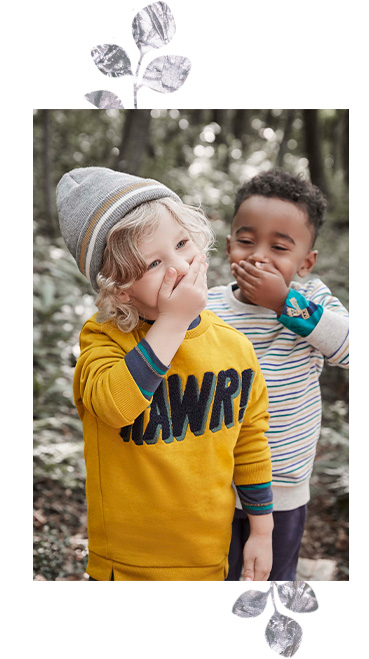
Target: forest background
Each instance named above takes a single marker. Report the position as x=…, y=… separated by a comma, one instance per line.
x=204, y=155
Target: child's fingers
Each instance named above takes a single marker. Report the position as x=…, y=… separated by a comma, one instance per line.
x=202, y=277
x=195, y=269
x=257, y=268
x=261, y=574
x=249, y=270
x=244, y=274
x=168, y=283
x=248, y=570
x=244, y=280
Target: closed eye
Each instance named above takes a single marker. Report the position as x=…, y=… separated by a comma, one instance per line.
x=280, y=248
x=244, y=241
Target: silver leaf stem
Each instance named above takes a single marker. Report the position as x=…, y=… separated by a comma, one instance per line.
x=273, y=584
x=136, y=87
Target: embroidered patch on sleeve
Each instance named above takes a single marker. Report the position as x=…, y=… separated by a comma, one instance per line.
x=295, y=310
x=299, y=314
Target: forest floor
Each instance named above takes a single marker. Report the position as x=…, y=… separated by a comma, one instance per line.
x=60, y=520
x=60, y=515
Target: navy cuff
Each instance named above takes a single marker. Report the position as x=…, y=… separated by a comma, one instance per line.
x=146, y=369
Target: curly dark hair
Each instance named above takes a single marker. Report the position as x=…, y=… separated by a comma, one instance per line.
x=291, y=187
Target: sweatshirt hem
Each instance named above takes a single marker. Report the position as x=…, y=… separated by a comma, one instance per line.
x=101, y=569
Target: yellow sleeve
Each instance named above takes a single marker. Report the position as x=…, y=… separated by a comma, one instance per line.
x=103, y=384
x=252, y=453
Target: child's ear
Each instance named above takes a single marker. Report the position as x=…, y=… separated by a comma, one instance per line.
x=123, y=296
x=228, y=246
x=308, y=263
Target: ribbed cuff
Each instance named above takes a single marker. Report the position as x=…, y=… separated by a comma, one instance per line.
x=299, y=314
x=146, y=369
x=256, y=499
x=253, y=474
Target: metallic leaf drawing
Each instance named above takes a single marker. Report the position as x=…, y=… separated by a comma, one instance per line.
x=152, y=27
x=283, y=634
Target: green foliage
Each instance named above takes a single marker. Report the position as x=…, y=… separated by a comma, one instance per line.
x=62, y=300
x=331, y=469
x=204, y=154
x=49, y=553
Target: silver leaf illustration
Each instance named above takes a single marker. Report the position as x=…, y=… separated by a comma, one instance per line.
x=153, y=26
x=297, y=596
x=111, y=60
x=104, y=100
x=250, y=604
x=283, y=634
x=166, y=74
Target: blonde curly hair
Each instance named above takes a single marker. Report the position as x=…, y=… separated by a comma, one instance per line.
x=123, y=263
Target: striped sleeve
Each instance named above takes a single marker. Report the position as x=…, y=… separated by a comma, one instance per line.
x=323, y=321
x=256, y=499
x=145, y=368
x=331, y=337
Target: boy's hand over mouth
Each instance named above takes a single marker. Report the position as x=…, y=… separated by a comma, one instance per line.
x=262, y=284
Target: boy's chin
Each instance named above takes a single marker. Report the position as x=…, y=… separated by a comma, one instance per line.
x=241, y=297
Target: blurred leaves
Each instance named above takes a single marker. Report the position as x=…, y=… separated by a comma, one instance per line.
x=62, y=298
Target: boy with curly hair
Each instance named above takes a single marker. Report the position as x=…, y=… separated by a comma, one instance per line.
x=172, y=399
x=294, y=327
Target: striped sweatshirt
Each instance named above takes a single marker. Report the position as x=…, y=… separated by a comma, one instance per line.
x=291, y=349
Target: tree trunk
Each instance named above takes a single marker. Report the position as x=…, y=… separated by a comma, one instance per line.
x=241, y=121
x=135, y=140
x=313, y=148
x=48, y=189
x=345, y=146
x=286, y=136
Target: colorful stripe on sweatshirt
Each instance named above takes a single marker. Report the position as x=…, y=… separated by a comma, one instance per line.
x=256, y=499
x=146, y=369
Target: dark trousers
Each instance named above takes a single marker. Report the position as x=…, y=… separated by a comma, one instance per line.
x=111, y=579
x=286, y=540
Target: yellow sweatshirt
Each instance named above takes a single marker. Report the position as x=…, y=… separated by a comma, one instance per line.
x=159, y=471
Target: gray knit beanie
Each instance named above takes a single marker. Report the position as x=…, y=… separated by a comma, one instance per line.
x=90, y=201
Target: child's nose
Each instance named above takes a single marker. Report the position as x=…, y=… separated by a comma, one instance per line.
x=182, y=266
x=259, y=254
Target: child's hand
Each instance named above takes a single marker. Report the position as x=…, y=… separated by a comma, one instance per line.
x=178, y=306
x=257, y=558
x=185, y=301
x=261, y=284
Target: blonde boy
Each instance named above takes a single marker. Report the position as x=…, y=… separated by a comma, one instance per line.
x=172, y=399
